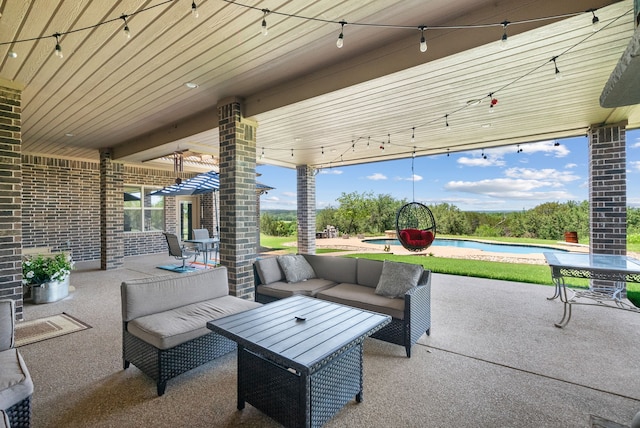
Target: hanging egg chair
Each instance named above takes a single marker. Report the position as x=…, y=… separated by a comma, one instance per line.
x=415, y=226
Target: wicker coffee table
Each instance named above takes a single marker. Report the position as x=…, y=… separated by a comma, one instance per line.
x=299, y=359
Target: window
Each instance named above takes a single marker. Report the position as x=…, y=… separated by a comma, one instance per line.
x=143, y=213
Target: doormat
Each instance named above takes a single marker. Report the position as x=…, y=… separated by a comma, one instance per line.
x=179, y=268
x=28, y=332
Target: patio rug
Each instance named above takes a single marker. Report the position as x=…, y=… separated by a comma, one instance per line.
x=175, y=268
x=28, y=332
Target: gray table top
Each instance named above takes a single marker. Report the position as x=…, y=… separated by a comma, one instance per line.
x=299, y=332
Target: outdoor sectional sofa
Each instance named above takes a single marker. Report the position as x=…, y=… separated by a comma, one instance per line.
x=164, y=322
x=400, y=290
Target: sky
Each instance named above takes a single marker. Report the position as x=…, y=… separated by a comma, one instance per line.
x=507, y=180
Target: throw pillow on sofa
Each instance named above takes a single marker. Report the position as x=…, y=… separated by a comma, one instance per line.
x=269, y=270
x=398, y=278
x=296, y=268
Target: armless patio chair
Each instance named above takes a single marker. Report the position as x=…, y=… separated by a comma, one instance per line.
x=178, y=251
x=211, y=247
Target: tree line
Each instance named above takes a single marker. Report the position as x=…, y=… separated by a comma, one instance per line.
x=373, y=214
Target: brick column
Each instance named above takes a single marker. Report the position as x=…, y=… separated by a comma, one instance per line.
x=111, y=212
x=11, y=195
x=237, y=197
x=306, y=209
x=607, y=193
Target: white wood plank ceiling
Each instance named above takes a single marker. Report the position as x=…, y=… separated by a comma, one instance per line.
x=306, y=94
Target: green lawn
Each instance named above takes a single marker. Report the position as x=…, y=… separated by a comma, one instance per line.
x=519, y=272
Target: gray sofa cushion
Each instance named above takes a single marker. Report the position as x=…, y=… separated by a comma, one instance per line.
x=269, y=270
x=282, y=289
x=154, y=294
x=296, y=268
x=15, y=381
x=167, y=329
x=337, y=269
x=368, y=272
x=7, y=324
x=398, y=278
x=363, y=297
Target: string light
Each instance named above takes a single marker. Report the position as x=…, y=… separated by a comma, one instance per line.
x=340, y=41
x=262, y=154
x=413, y=155
x=58, y=50
x=492, y=103
x=126, y=31
x=389, y=139
x=353, y=146
x=423, y=40
x=194, y=10
x=557, y=71
x=291, y=152
x=519, y=149
x=595, y=21
x=264, y=29
x=446, y=122
x=322, y=150
x=505, y=38
x=413, y=134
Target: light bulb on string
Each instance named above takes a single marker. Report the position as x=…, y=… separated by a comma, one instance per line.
x=492, y=103
x=413, y=155
x=353, y=146
x=264, y=28
x=423, y=40
x=262, y=154
x=127, y=33
x=595, y=21
x=322, y=148
x=558, y=75
x=446, y=122
x=389, y=139
x=194, y=10
x=291, y=152
x=58, y=50
x=413, y=134
x=368, y=141
x=340, y=41
x=505, y=39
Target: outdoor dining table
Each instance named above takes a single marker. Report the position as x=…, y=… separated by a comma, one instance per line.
x=620, y=269
x=204, y=244
x=300, y=358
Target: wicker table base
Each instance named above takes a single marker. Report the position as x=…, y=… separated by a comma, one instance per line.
x=300, y=359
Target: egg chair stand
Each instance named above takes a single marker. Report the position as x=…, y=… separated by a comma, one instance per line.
x=415, y=226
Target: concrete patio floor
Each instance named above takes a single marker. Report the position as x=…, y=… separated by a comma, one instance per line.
x=494, y=358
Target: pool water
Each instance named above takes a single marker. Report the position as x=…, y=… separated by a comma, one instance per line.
x=494, y=248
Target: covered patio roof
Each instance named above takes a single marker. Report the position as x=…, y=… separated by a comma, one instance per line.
x=314, y=104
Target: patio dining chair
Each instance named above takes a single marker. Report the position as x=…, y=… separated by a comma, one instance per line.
x=208, y=247
x=178, y=251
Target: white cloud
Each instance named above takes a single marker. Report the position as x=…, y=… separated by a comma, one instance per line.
x=636, y=145
x=571, y=165
x=634, y=165
x=509, y=188
x=415, y=177
x=331, y=171
x=480, y=161
x=289, y=194
x=549, y=175
x=377, y=176
x=270, y=199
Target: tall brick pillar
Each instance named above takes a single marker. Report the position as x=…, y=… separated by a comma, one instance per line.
x=111, y=212
x=238, y=223
x=11, y=195
x=306, y=209
x=607, y=193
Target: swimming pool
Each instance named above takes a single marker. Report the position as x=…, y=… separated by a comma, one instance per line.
x=461, y=243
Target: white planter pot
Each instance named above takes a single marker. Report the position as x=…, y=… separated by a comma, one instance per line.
x=50, y=291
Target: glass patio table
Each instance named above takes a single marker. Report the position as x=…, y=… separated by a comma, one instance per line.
x=619, y=269
x=204, y=243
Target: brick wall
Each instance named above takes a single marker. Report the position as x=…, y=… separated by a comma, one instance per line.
x=60, y=192
x=306, y=180
x=238, y=219
x=10, y=197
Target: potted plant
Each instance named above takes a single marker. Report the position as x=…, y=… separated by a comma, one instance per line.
x=47, y=276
